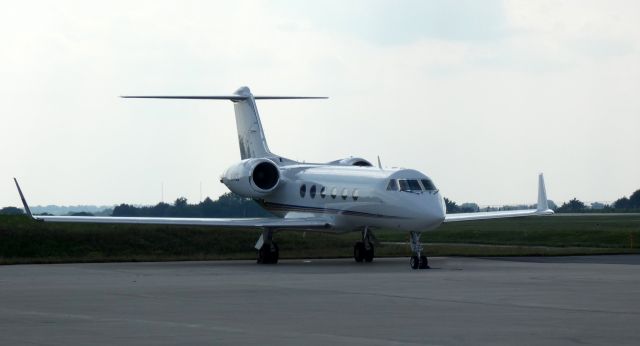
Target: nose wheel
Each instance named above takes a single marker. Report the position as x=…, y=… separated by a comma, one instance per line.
x=417, y=261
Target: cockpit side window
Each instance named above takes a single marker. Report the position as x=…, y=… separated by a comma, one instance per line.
x=428, y=185
x=393, y=185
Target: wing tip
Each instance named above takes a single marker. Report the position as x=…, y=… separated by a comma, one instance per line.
x=24, y=201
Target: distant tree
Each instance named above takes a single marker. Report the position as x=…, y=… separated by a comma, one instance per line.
x=159, y=210
x=469, y=208
x=634, y=200
x=180, y=202
x=208, y=208
x=622, y=203
x=228, y=205
x=451, y=206
x=81, y=213
x=11, y=211
x=573, y=206
x=125, y=210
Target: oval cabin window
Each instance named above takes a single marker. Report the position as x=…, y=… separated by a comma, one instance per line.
x=312, y=191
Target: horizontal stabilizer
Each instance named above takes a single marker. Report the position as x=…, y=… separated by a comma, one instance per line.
x=227, y=97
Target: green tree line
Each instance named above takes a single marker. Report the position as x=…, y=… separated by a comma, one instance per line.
x=228, y=205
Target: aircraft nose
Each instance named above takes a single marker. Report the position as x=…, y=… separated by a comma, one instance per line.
x=432, y=211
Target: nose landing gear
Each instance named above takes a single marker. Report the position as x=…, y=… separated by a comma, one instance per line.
x=417, y=261
x=363, y=250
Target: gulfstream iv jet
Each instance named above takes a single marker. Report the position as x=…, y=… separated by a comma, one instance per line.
x=347, y=195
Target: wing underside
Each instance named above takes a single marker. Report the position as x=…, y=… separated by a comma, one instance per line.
x=303, y=224
x=492, y=215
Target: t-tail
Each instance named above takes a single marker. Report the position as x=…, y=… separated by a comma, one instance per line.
x=251, y=138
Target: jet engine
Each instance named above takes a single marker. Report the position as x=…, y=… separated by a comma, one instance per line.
x=352, y=161
x=254, y=178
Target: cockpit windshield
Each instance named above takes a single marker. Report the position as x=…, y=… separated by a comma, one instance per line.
x=428, y=185
x=411, y=185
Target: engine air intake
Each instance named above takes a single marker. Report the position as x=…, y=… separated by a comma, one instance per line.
x=265, y=175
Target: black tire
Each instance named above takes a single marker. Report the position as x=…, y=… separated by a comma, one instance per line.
x=268, y=254
x=358, y=252
x=414, y=262
x=369, y=254
x=424, y=263
x=263, y=255
x=275, y=253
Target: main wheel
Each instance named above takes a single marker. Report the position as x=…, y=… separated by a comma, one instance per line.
x=274, y=253
x=268, y=254
x=359, y=252
x=424, y=263
x=368, y=254
x=414, y=262
x=263, y=255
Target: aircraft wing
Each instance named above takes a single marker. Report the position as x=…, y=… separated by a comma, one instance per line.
x=493, y=215
x=303, y=223
x=542, y=209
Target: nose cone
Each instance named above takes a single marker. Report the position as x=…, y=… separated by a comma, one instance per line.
x=432, y=211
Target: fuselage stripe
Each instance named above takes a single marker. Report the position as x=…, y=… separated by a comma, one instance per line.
x=290, y=207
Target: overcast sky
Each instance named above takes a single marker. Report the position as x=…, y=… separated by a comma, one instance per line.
x=479, y=95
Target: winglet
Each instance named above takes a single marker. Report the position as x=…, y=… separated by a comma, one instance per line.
x=543, y=203
x=24, y=201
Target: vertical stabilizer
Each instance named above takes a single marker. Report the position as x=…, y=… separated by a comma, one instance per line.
x=250, y=134
x=543, y=204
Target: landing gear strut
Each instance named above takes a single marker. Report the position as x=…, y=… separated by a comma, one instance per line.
x=418, y=261
x=363, y=250
x=268, y=252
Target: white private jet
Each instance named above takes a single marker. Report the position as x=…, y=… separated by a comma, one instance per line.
x=347, y=195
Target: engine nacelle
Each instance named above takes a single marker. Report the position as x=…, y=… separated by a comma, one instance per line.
x=252, y=178
x=352, y=161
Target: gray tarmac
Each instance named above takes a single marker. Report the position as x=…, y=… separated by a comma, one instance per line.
x=461, y=301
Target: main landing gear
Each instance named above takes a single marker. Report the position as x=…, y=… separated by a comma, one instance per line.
x=363, y=250
x=268, y=252
x=418, y=261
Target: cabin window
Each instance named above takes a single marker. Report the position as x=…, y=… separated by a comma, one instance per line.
x=303, y=190
x=312, y=191
x=355, y=195
x=345, y=193
x=393, y=185
x=334, y=193
x=428, y=185
x=323, y=192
